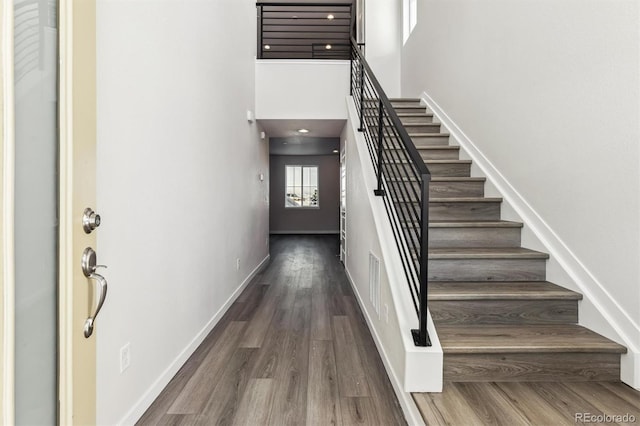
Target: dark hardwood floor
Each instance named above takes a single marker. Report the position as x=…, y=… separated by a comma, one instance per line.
x=292, y=350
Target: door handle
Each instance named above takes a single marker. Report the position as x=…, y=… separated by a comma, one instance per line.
x=89, y=267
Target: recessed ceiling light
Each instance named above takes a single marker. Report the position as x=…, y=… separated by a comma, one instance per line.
x=295, y=16
x=284, y=143
x=328, y=47
x=267, y=47
x=335, y=151
x=303, y=131
x=330, y=16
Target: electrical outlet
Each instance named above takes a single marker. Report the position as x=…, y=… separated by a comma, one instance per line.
x=238, y=264
x=125, y=357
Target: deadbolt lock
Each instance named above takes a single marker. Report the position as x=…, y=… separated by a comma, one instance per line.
x=90, y=220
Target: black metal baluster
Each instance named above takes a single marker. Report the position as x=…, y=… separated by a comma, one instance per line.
x=420, y=336
x=380, y=191
x=361, y=128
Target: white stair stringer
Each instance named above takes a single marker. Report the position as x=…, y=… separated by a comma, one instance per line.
x=410, y=368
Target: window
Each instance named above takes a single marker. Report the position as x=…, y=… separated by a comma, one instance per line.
x=410, y=18
x=301, y=187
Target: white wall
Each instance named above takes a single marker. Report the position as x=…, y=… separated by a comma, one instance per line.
x=178, y=186
x=368, y=230
x=549, y=93
x=301, y=89
x=383, y=39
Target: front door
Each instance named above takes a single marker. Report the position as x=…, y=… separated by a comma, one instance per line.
x=48, y=180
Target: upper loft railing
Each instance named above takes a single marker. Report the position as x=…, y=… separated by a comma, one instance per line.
x=402, y=181
x=304, y=30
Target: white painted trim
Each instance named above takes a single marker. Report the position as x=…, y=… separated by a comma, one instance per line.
x=409, y=407
x=139, y=408
x=303, y=232
x=65, y=296
x=591, y=289
x=7, y=348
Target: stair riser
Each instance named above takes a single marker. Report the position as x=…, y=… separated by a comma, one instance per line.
x=372, y=124
x=474, y=237
x=453, y=189
x=423, y=119
x=531, y=367
x=455, y=312
x=446, y=169
x=420, y=141
x=422, y=129
x=456, y=189
x=487, y=269
x=431, y=154
x=459, y=211
x=400, y=104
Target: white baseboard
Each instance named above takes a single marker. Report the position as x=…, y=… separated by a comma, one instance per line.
x=158, y=386
x=613, y=319
x=409, y=407
x=303, y=232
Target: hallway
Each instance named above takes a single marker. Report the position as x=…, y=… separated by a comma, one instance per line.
x=293, y=349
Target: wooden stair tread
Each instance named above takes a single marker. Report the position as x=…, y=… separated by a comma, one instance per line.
x=485, y=253
x=415, y=114
x=482, y=290
x=474, y=224
x=468, y=224
x=429, y=135
x=430, y=148
x=459, y=339
x=442, y=179
x=431, y=162
x=404, y=99
x=456, y=200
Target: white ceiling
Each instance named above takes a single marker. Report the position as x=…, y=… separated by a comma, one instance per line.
x=288, y=128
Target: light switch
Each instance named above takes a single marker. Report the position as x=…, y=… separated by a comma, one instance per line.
x=250, y=116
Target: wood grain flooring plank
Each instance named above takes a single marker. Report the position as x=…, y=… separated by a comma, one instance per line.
x=606, y=401
x=323, y=400
x=490, y=405
x=271, y=352
x=177, y=420
x=194, y=395
x=320, y=320
x=225, y=395
x=536, y=409
x=381, y=391
x=257, y=327
x=359, y=411
x=623, y=391
x=358, y=323
x=351, y=378
x=290, y=398
x=255, y=405
x=244, y=311
x=562, y=399
x=446, y=408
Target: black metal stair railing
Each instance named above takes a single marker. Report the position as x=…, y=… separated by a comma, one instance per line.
x=289, y=30
x=402, y=181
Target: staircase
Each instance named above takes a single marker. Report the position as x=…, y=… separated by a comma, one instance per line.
x=497, y=317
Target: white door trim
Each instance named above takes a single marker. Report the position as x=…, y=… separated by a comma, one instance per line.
x=65, y=296
x=7, y=144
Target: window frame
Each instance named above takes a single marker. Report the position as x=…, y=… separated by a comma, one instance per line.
x=302, y=167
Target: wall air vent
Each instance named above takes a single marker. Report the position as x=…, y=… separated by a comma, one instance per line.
x=374, y=282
